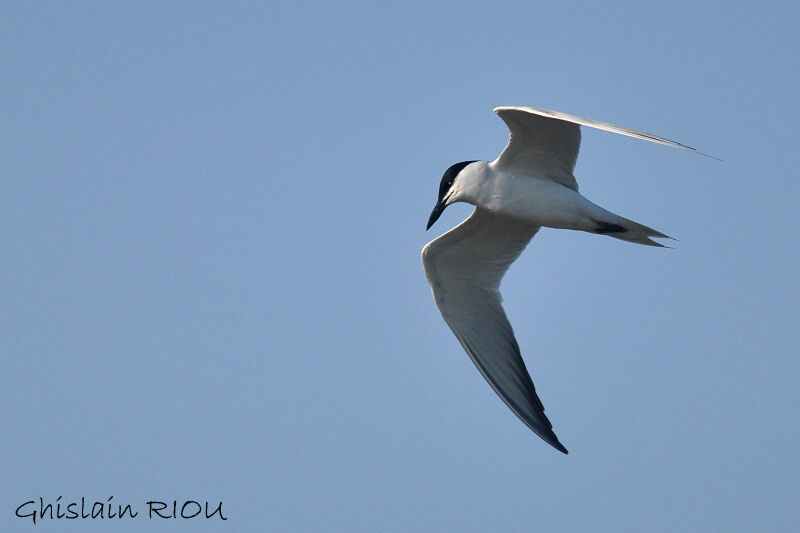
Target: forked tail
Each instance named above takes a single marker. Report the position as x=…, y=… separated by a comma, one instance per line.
x=628, y=230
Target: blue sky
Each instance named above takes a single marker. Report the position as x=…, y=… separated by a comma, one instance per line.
x=210, y=221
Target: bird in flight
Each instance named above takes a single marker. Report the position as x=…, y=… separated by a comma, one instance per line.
x=530, y=185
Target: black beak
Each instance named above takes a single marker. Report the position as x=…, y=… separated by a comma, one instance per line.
x=437, y=212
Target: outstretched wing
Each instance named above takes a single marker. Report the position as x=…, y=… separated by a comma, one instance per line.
x=464, y=268
x=546, y=143
x=540, y=145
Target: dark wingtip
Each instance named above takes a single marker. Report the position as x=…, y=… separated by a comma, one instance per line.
x=550, y=438
x=709, y=156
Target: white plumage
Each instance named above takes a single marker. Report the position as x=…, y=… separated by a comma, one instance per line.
x=531, y=184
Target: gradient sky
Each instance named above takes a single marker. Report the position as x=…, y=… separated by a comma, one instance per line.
x=210, y=223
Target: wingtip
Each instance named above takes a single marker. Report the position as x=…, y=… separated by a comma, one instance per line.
x=550, y=438
x=710, y=156
x=698, y=152
x=555, y=443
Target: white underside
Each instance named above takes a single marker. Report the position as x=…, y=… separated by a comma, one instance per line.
x=529, y=185
x=540, y=201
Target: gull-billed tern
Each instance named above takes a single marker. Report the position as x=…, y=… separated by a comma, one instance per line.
x=528, y=186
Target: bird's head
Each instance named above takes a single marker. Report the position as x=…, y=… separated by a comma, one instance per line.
x=446, y=190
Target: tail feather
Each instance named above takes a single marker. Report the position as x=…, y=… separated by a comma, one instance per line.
x=628, y=230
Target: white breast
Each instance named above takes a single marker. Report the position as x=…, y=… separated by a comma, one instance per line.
x=540, y=201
